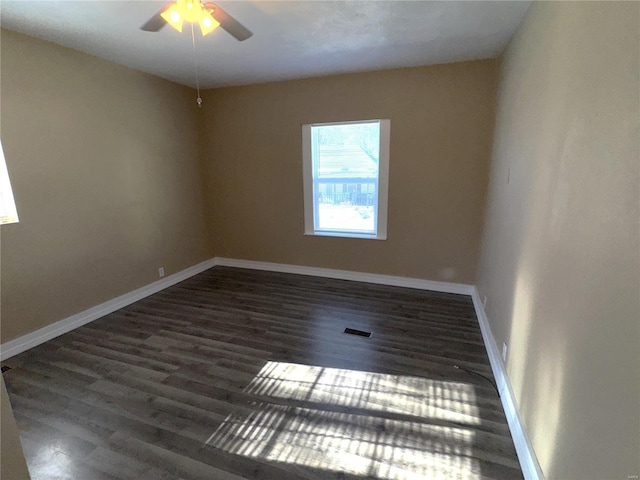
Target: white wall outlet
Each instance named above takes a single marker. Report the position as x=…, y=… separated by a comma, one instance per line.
x=161, y=272
x=504, y=352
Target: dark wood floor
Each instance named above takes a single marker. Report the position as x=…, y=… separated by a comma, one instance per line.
x=239, y=374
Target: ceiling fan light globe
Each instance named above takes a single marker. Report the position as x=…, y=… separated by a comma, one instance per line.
x=207, y=23
x=173, y=17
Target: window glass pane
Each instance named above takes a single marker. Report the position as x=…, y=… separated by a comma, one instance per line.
x=345, y=176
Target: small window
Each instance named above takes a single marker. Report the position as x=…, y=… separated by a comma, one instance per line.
x=346, y=171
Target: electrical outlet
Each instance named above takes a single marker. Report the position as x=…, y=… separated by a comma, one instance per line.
x=504, y=352
x=161, y=272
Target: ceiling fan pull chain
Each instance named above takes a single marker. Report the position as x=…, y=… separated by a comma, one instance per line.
x=195, y=60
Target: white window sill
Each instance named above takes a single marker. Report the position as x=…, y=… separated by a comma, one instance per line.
x=345, y=235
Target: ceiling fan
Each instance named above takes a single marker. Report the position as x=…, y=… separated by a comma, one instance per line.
x=207, y=14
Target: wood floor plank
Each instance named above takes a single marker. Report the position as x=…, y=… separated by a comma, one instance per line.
x=236, y=374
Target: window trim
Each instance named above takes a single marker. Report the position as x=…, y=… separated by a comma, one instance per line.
x=383, y=182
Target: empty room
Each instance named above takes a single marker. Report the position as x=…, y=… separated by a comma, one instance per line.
x=320, y=240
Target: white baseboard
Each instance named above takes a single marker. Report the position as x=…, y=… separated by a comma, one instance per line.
x=391, y=280
x=526, y=455
x=19, y=345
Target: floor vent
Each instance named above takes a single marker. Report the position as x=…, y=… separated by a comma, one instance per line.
x=361, y=333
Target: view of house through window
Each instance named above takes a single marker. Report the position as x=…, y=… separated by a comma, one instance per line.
x=345, y=178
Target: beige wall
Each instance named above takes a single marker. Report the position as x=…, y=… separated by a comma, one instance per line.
x=441, y=125
x=105, y=170
x=561, y=249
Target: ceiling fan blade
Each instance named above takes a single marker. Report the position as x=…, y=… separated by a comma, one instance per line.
x=156, y=22
x=230, y=24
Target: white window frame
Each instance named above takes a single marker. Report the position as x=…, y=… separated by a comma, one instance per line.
x=383, y=183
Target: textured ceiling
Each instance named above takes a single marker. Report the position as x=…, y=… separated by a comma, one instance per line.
x=291, y=39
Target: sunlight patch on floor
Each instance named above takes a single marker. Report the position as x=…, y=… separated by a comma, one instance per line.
x=422, y=397
x=360, y=423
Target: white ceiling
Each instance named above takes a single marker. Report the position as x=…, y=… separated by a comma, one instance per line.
x=291, y=39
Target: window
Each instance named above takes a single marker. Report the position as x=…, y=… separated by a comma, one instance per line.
x=346, y=171
x=8, y=213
